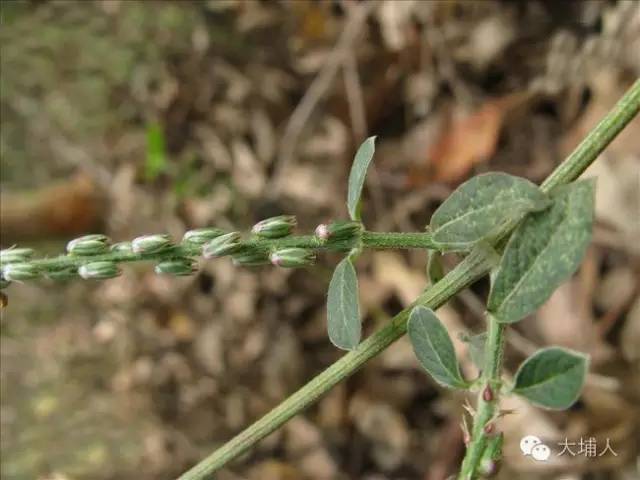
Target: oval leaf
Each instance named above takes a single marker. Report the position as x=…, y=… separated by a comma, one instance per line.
x=543, y=252
x=552, y=377
x=343, y=312
x=433, y=347
x=361, y=162
x=479, y=207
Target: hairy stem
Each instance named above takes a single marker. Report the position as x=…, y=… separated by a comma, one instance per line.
x=470, y=269
x=488, y=399
x=373, y=240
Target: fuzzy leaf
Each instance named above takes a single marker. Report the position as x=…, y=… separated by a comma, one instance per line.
x=361, y=162
x=552, y=377
x=479, y=207
x=544, y=251
x=433, y=347
x=343, y=311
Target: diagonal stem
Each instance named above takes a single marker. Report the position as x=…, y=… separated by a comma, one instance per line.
x=473, y=267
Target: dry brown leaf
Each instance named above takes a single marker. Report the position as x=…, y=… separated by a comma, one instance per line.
x=470, y=139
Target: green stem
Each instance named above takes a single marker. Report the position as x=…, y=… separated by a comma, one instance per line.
x=474, y=266
x=487, y=405
x=397, y=240
x=374, y=240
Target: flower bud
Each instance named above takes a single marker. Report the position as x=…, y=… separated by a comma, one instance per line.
x=15, y=255
x=490, y=460
x=338, y=231
x=179, y=268
x=275, y=227
x=200, y=236
x=223, y=245
x=150, y=244
x=99, y=270
x=88, y=245
x=19, y=271
x=487, y=394
x=251, y=258
x=122, y=247
x=292, y=257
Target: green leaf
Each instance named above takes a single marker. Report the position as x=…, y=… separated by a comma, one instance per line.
x=435, y=270
x=476, y=345
x=478, y=208
x=544, y=251
x=433, y=347
x=361, y=162
x=156, y=162
x=343, y=311
x=552, y=377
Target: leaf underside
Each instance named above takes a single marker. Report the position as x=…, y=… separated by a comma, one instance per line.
x=361, y=162
x=552, y=377
x=343, y=311
x=433, y=347
x=544, y=251
x=479, y=207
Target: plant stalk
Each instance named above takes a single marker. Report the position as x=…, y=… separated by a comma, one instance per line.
x=487, y=405
x=373, y=240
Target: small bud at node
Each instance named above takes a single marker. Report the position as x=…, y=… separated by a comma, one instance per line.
x=322, y=231
x=292, y=257
x=200, y=236
x=88, y=245
x=487, y=394
x=15, y=255
x=99, y=270
x=226, y=244
x=275, y=227
x=179, y=268
x=19, y=271
x=148, y=244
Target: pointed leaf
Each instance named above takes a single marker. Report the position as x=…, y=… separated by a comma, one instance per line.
x=479, y=207
x=433, y=347
x=343, y=312
x=361, y=162
x=544, y=251
x=552, y=377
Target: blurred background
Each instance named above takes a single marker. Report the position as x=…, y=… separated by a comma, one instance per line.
x=136, y=117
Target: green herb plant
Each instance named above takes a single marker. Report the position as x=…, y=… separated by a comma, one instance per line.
x=529, y=239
